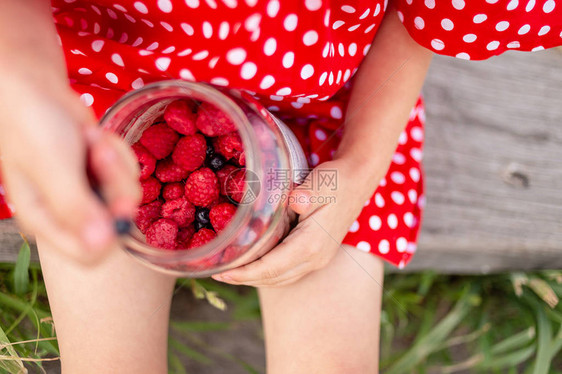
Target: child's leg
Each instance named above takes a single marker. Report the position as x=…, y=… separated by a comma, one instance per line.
x=327, y=322
x=110, y=318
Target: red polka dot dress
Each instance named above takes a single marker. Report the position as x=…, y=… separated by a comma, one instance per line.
x=298, y=58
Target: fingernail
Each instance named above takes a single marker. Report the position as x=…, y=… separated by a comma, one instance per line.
x=96, y=234
x=223, y=278
x=122, y=226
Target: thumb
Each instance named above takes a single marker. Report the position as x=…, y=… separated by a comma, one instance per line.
x=318, y=189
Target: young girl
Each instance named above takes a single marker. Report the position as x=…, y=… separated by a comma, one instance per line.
x=320, y=298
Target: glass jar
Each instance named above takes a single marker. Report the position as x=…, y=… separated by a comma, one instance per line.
x=275, y=162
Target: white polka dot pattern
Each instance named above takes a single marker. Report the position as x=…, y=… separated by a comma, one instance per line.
x=479, y=29
x=296, y=60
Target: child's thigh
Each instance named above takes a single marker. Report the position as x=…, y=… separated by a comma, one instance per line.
x=327, y=322
x=111, y=317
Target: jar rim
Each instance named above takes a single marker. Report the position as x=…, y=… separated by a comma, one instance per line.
x=186, y=89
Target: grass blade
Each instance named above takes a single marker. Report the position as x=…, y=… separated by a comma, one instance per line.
x=189, y=352
x=21, y=270
x=542, y=361
x=509, y=360
x=14, y=363
x=514, y=342
x=435, y=338
x=199, y=326
x=176, y=367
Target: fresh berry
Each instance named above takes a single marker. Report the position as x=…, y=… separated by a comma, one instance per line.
x=202, y=187
x=184, y=235
x=236, y=185
x=180, y=117
x=150, y=190
x=180, y=210
x=146, y=214
x=190, y=152
x=223, y=174
x=198, y=225
x=160, y=140
x=210, y=150
x=242, y=159
x=168, y=171
x=147, y=162
x=221, y=215
x=172, y=191
x=162, y=234
x=229, y=145
x=216, y=162
x=212, y=121
x=202, y=215
x=202, y=237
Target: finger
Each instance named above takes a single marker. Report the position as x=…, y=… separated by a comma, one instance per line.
x=317, y=190
x=34, y=218
x=116, y=171
x=64, y=189
x=289, y=258
x=267, y=280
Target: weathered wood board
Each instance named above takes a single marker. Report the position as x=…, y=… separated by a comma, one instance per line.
x=493, y=160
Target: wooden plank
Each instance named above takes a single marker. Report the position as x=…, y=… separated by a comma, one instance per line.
x=494, y=164
x=493, y=161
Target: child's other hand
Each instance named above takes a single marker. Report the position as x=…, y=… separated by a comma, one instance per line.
x=46, y=135
x=326, y=213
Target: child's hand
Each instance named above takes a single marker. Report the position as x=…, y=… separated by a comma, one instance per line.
x=325, y=217
x=46, y=135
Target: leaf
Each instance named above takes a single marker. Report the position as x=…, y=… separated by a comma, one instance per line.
x=216, y=301
x=21, y=270
x=544, y=291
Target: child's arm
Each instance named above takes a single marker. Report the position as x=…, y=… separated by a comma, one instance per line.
x=45, y=134
x=386, y=88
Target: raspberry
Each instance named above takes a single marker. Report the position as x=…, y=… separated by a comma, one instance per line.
x=180, y=210
x=201, y=237
x=236, y=184
x=221, y=215
x=222, y=174
x=147, y=214
x=162, y=234
x=212, y=121
x=180, y=117
x=168, y=171
x=190, y=152
x=172, y=191
x=229, y=145
x=150, y=190
x=147, y=162
x=184, y=236
x=242, y=159
x=202, y=187
x=160, y=140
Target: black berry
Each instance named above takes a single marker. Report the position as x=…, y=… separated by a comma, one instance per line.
x=202, y=216
x=210, y=150
x=217, y=162
x=198, y=225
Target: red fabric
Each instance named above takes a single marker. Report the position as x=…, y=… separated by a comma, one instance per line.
x=479, y=29
x=295, y=57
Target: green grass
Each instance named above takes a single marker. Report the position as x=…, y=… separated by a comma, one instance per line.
x=430, y=323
